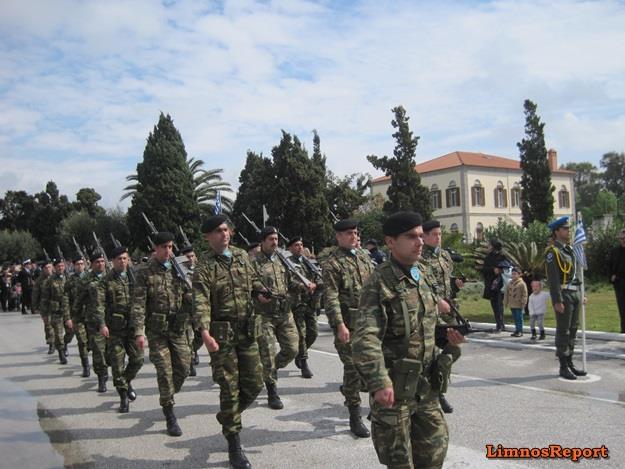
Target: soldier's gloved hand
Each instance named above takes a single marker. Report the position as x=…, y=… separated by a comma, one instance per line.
x=559, y=307
x=69, y=324
x=104, y=331
x=444, y=307
x=343, y=333
x=385, y=397
x=211, y=344
x=454, y=337
x=140, y=341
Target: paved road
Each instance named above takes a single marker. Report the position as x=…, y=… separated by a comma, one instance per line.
x=505, y=392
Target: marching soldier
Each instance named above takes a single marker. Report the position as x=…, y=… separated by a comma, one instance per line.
x=55, y=306
x=46, y=271
x=157, y=311
x=223, y=313
x=303, y=306
x=563, y=287
x=273, y=306
x=111, y=317
x=72, y=287
x=345, y=271
x=439, y=265
x=193, y=336
x=394, y=350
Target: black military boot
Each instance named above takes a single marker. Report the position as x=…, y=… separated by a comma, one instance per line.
x=192, y=371
x=102, y=379
x=355, y=423
x=173, y=429
x=445, y=405
x=533, y=334
x=65, y=351
x=272, y=397
x=124, y=405
x=132, y=394
x=86, y=369
x=297, y=362
x=306, y=372
x=196, y=359
x=62, y=357
x=50, y=349
x=576, y=372
x=236, y=456
x=564, y=369
x=542, y=335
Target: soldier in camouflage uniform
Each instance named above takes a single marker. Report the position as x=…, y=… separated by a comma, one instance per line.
x=157, y=310
x=564, y=289
x=46, y=271
x=193, y=336
x=303, y=306
x=394, y=350
x=278, y=322
x=89, y=292
x=344, y=272
x=55, y=305
x=72, y=287
x=111, y=316
x=439, y=266
x=223, y=313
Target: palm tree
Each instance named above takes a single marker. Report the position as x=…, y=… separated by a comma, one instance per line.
x=206, y=183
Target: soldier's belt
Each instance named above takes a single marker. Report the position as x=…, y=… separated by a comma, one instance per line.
x=570, y=287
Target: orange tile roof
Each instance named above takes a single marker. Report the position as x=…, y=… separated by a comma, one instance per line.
x=467, y=158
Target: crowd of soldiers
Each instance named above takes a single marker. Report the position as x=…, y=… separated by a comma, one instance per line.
x=386, y=316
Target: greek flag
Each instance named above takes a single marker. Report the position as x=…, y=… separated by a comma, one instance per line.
x=217, y=209
x=578, y=244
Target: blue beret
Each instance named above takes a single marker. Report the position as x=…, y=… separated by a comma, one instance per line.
x=559, y=223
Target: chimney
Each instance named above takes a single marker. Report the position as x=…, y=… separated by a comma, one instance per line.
x=552, y=156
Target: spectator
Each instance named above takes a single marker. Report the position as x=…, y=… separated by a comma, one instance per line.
x=492, y=259
x=537, y=305
x=617, y=276
x=6, y=285
x=516, y=298
x=496, y=298
x=376, y=255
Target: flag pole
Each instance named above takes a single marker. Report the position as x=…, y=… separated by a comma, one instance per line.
x=582, y=297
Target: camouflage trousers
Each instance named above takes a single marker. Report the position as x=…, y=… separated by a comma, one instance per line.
x=82, y=338
x=281, y=327
x=566, y=324
x=118, y=347
x=99, y=358
x=353, y=384
x=238, y=372
x=61, y=334
x=47, y=329
x=410, y=435
x=170, y=354
x=307, y=329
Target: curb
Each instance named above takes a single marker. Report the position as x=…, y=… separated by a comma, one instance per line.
x=595, y=335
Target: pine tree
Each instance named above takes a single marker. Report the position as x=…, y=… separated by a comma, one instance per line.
x=405, y=191
x=536, y=189
x=164, y=186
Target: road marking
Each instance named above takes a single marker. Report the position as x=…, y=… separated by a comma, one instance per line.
x=582, y=379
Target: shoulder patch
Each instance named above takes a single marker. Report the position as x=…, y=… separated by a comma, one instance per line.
x=549, y=257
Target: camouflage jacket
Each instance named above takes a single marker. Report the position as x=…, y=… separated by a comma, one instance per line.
x=72, y=288
x=560, y=265
x=275, y=277
x=379, y=334
x=222, y=289
x=54, y=299
x=297, y=296
x=344, y=274
x=158, y=291
x=440, y=268
x=89, y=293
x=36, y=294
x=113, y=303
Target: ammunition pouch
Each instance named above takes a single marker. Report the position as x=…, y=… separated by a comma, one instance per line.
x=254, y=326
x=405, y=376
x=158, y=323
x=441, y=371
x=178, y=322
x=117, y=322
x=221, y=331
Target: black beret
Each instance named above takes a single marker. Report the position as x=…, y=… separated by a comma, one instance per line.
x=57, y=261
x=95, y=255
x=78, y=258
x=294, y=240
x=213, y=222
x=430, y=225
x=163, y=237
x=118, y=250
x=346, y=224
x=252, y=246
x=401, y=222
x=186, y=249
x=266, y=231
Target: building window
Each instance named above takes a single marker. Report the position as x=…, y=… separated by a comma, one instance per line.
x=479, y=231
x=515, y=195
x=452, y=195
x=501, y=197
x=435, y=197
x=563, y=198
x=454, y=228
x=477, y=194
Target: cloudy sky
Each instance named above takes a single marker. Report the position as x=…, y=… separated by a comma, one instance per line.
x=82, y=82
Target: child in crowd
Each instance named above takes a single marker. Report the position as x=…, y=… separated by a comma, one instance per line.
x=538, y=307
x=515, y=298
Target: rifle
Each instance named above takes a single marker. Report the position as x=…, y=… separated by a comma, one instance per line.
x=129, y=268
x=463, y=326
x=59, y=252
x=334, y=217
x=101, y=249
x=243, y=238
x=174, y=262
x=78, y=250
x=184, y=236
x=45, y=253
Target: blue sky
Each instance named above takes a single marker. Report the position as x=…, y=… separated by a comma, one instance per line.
x=82, y=83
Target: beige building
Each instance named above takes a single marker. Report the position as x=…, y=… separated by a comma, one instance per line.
x=472, y=191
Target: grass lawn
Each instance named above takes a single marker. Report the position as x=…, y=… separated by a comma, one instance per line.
x=601, y=310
